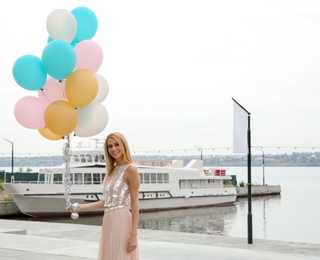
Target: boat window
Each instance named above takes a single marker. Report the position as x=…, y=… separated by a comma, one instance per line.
x=75, y=158
x=96, y=178
x=141, y=177
x=89, y=158
x=146, y=177
x=159, y=178
x=78, y=178
x=83, y=158
x=102, y=159
x=153, y=178
x=57, y=178
x=41, y=178
x=87, y=178
x=96, y=158
x=166, y=177
x=103, y=175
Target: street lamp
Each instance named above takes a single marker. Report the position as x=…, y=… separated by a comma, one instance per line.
x=200, y=151
x=12, y=176
x=262, y=163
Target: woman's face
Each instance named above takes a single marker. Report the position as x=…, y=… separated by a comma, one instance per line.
x=114, y=148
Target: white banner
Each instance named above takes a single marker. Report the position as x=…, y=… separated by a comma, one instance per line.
x=240, y=129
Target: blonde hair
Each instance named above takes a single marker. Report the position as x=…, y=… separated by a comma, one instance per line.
x=124, y=148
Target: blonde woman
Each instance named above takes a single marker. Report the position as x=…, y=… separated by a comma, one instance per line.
x=118, y=239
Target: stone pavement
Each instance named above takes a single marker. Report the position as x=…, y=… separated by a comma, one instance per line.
x=32, y=240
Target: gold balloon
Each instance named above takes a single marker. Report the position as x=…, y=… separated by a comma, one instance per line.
x=61, y=118
x=81, y=88
x=46, y=133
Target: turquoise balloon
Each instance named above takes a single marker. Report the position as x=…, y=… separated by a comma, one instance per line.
x=87, y=23
x=29, y=72
x=49, y=39
x=73, y=43
x=59, y=59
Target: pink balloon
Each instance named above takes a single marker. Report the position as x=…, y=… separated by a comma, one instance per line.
x=29, y=112
x=89, y=55
x=53, y=90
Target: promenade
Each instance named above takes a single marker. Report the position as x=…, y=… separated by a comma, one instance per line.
x=32, y=240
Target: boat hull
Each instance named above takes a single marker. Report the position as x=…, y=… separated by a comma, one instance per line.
x=49, y=204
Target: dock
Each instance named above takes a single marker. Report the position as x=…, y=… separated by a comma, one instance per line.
x=31, y=240
x=259, y=190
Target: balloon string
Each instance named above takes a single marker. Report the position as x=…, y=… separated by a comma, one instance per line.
x=67, y=175
x=63, y=93
x=45, y=95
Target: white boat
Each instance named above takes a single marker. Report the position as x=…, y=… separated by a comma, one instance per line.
x=165, y=185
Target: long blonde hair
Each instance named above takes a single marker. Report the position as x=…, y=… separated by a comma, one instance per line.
x=124, y=148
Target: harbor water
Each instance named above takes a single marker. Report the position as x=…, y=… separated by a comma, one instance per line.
x=292, y=216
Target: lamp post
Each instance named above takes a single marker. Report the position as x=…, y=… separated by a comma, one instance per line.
x=262, y=164
x=200, y=151
x=12, y=176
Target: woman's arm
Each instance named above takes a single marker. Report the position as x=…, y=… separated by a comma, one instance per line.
x=133, y=180
x=90, y=206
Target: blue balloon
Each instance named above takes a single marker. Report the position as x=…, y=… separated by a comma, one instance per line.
x=59, y=59
x=73, y=43
x=87, y=23
x=29, y=72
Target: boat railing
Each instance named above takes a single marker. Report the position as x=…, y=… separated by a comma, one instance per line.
x=160, y=163
x=28, y=182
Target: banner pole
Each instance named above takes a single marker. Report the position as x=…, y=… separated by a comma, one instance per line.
x=249, y=185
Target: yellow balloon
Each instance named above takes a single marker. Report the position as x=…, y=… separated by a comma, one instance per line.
x=46, y=133
x=81, y=88
x=61, y=118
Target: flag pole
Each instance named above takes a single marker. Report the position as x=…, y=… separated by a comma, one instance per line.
x=249, y=185
x=244, y=147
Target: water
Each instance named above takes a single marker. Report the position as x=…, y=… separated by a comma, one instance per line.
x=292, y=216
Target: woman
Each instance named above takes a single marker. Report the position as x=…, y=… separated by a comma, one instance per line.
x=118, y=239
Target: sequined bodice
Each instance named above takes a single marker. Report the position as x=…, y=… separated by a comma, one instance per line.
x=116, y=192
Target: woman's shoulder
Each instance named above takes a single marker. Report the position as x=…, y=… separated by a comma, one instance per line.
x=131, y=168
x=131, y=173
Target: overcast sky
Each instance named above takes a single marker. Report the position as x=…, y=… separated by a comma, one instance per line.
x=173, y=67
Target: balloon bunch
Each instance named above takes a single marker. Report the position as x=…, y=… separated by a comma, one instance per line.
x=65, y=78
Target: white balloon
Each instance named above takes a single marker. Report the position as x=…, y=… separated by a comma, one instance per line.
x=92, y=119
x=103, y=90
x=62, y=25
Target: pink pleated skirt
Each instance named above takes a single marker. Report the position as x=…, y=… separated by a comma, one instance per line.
x=115, y=233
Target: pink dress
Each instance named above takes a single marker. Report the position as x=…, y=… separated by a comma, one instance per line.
x=116, y=224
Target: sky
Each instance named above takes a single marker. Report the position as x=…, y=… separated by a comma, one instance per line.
x=173, y=67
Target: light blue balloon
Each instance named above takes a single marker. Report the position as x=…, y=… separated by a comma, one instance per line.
x=29, y=72
x=59, y=59
x=73, y=43
x=87, y=23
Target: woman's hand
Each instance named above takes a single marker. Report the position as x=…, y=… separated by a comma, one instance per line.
x=75, y=207
x=132, y=244
x=69, y=208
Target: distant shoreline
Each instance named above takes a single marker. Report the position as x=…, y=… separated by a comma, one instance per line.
x=270, y=160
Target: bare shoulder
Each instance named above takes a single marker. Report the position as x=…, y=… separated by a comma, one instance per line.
x=132, y=169
x=131, y=173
